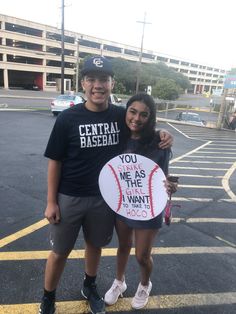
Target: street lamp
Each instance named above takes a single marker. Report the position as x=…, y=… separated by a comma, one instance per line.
x=141, y=53
x=62, y=47
x=77, y=66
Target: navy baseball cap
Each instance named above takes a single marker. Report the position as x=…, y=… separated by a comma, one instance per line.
x=97, y=64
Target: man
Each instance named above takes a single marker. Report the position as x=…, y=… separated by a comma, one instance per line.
x=83, y=139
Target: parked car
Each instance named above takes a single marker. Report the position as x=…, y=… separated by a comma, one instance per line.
x=113, y=99
x=190, y=117
x=63, y=102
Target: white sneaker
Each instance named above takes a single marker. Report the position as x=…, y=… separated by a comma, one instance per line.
x=141, y=296
x=116, y=290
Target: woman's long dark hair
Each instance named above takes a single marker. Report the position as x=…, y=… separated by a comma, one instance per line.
x=148, y=136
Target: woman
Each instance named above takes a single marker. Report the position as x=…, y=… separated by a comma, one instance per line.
x=141, y=122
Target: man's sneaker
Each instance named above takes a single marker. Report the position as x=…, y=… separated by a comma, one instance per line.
x=141, y=296
x=96, y=303
x=116, y=290
x=47, y=306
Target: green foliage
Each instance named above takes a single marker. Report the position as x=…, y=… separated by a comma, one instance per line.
x=166, y=89
x=150, y=74
x=125, y=73
x=119, y=88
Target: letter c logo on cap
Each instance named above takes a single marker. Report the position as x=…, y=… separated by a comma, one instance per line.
x=98, y=62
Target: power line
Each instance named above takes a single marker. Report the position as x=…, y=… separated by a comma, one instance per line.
x=144, y=22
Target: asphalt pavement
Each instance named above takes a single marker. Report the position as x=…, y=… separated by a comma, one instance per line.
x=194, y=271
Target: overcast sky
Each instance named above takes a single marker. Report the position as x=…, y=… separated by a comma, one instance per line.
x=197, y=30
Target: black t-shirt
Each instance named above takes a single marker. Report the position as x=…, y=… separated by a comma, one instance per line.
x=84, y=141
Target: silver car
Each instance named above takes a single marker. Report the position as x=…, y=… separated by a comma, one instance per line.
x=63, y=102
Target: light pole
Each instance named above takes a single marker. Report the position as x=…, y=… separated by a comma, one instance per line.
x=141, y=53
x=62, y=47
x=77, y=67
x=222, y=111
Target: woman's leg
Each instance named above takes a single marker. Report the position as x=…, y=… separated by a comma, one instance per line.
x=124, y=234
x=144, y=239
x=119, y=286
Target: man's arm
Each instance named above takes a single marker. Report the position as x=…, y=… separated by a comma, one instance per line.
x=52, y=212
x=166, y=139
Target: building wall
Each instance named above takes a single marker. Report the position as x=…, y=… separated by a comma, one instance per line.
x=35, y=49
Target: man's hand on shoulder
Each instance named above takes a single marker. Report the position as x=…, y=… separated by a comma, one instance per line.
x=166, y=139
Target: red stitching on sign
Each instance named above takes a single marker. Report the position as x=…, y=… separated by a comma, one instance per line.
x=119, y=187
x=150, y=189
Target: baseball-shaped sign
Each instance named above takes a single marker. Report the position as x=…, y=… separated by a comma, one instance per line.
x=133, y=186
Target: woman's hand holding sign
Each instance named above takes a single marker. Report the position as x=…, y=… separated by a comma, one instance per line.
x=171, y=184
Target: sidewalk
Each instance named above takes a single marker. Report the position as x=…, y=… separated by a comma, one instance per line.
x=30, y=94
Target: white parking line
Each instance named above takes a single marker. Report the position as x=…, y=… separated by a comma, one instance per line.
x=225, y=182
x=210, y=157
x=198, y=168
x=200, y=186
x=205, y=162
x=203, y=200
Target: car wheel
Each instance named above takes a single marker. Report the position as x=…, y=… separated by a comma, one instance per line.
x=55, y=113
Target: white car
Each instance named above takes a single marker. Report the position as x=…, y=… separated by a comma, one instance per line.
x=190, y=117
x=63, y=102
x=113, y=99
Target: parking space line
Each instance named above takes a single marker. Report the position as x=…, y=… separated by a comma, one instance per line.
x=189, y=153
x=210, y=220
x=198, y=199
x=171, y=301
x=214, y=152
x=205, y=162
x=200, y=186
x=79, y=254
x=23, y=232
x=225, y=182
x=196, y=175
x=199, y=168
x=209, y=157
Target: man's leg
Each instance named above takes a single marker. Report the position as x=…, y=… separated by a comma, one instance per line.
x=92, y=259
x=89, y=290
x=54, y=268
x=98, y=228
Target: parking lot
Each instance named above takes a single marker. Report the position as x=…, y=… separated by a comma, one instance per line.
x=194, y=258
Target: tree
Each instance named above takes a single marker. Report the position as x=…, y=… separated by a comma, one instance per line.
x=124, y=74
x=150, y=74
x=166, y=89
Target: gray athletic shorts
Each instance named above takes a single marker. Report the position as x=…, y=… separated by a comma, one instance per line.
x=92, y=213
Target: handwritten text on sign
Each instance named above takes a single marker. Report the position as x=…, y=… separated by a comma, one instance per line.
x=132, y=185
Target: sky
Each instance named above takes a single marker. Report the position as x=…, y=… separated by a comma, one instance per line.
x=201, y=31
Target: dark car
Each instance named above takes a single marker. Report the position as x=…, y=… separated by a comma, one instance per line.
x=31, y=87
x=190, y=117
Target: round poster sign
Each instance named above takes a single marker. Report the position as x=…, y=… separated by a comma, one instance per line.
x=132, y=185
